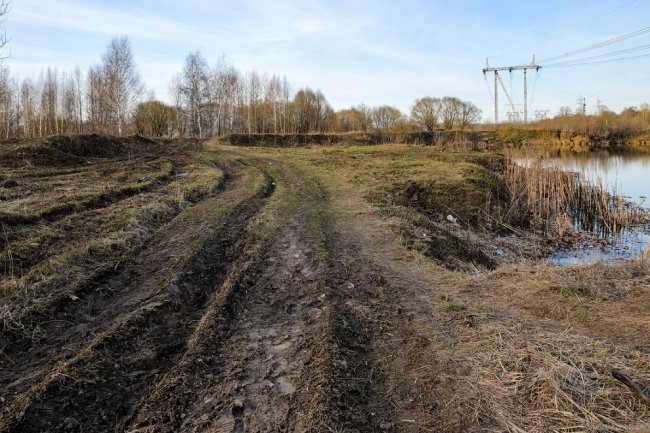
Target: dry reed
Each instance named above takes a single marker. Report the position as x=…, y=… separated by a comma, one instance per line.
x=550, y=196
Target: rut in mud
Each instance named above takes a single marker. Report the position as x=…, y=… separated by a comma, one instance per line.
x=269, y=352
x=228, y=319
x=270, y=302
x=129, y=325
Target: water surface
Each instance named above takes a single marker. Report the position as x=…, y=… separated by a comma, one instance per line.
x=627, y=174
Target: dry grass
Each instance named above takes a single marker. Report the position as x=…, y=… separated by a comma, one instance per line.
x=541, y=381
x=84, y=242
x=532, y=347
x=556, y=201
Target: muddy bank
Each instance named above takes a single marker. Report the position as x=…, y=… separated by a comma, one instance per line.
x=441, y=138
x=557, y=140
x=72, y=150
x=484, y=214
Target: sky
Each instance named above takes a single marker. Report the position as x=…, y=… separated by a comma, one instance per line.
x=371, y=52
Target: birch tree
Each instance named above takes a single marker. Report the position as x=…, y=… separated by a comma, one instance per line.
x=122, y=82
x=193, y=91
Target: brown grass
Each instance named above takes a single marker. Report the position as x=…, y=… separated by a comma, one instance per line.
x=545, y=381
x=525, y=348
x=553, y=198
x=83, y=242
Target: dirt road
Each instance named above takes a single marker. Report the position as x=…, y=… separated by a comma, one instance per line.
x=275, y=303
x=232, y=317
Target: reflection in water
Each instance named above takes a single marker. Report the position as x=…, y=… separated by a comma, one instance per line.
x=631, y=243
x=628, y=174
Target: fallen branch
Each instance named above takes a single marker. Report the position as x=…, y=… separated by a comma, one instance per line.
x=631, y=383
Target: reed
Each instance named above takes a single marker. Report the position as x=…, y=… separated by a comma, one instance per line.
x=549, y=197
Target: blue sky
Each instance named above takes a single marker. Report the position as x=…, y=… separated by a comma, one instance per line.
x=372, y=52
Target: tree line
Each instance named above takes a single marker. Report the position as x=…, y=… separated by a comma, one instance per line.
x=205, y=100
x=602, y=121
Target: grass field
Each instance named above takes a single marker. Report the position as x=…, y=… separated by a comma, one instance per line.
x=164, y=286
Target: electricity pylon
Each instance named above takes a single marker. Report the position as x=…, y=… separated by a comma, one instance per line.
x=496, y=71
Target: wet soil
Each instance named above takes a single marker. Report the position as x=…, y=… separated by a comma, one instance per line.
x=267, y=306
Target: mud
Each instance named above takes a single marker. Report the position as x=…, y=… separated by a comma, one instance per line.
x=261, y=307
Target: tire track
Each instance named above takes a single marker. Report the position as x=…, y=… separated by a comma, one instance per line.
x=148, y=326
x=254, y=327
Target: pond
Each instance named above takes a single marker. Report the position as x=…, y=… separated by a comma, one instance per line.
x=627, y=174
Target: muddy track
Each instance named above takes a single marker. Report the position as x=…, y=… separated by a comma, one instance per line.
x=97, y=202
x=260, y=319
x=279, y=349
x=140, y=317
x=250, y=356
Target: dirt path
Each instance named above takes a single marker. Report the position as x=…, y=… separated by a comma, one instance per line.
x=251, y=382
x=127, y=327
x=265, y=356
x=278, y=304
x=243, y=314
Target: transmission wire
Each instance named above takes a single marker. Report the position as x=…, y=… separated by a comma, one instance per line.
x=604, y=55
x=601, y=44
x=620, y=59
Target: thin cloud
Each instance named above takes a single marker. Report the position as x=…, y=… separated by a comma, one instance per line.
x=85, y=18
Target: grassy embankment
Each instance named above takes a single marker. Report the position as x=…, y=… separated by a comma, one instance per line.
x=518, y=330
x=74, y=207
x=556, y=141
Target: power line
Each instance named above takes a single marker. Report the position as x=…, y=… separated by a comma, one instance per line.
x=599, y=56
x=584, y=23
x=598, y=62
x=601, y=44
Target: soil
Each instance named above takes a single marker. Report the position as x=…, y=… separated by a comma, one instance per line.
x=271, y=303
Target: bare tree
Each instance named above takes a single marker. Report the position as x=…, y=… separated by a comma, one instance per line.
x=193, y=91
x=385, y=118
x=311, y=111
x=450, y=107
x=273, y=90
x=222, y=85
x=8, y=114
x=28, y=103
x=254, y=91
x=154, y=118
x=95, y=98
x=78, y=84
x=4, y=10
x=123, y=86
x=69, y=99
x=50, y=102
x=426, y=112
x=468, y=114
x=354, y=119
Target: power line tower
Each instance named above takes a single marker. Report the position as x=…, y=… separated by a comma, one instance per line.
x=541, y=114
x=581, y=106
x=513, y=113
x=497, y=81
